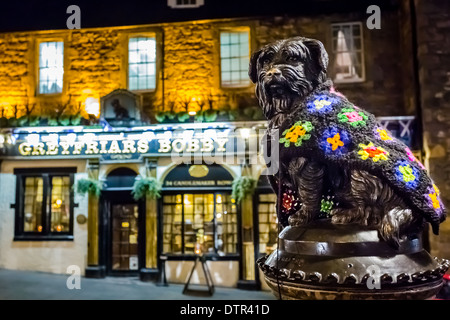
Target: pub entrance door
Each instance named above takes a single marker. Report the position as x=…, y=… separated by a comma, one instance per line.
x=123, y=225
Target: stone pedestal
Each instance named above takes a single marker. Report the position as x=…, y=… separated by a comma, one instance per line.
x=326, y=261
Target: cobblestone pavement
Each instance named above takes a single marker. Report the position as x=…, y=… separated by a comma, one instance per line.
x=31, y=285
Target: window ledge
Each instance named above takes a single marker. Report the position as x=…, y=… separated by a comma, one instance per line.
x=44, y=238
x=192, y=257
x=353, y=81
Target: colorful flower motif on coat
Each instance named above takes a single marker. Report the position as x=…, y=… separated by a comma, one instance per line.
x=353, y=117
x=298, y=133
x=335, y=141
x=383, y=134
x=322, y=103
x=288, y=201
x=290, y=204
x=407, y=174
x=372, y=152
x=436, y=189
x=412, y=158
x=326, y=206
x=433, y=199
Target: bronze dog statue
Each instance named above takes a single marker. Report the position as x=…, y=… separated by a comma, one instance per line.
x=333, y=154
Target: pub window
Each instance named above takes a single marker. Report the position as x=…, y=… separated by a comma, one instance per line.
x=51, y=67
x=142, y=63
x=234, y=58
x=348, y=52
x=268, y=222
x=197, y=223
x=44, y=205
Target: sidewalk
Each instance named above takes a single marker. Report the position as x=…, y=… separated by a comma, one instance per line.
x=31, y=285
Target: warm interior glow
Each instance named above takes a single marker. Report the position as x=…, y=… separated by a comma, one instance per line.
x=92, y=106
x=245, y=133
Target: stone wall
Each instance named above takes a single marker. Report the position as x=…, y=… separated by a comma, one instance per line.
x=15, y=65
x=433, y=40
x=188, y=63
x=382, y=92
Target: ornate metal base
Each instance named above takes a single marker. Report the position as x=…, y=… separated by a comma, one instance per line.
x=326, y=261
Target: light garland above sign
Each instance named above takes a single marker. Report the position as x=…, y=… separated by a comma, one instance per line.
x=124, y=145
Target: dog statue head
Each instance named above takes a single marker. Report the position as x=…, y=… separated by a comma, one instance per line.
x=287, y=70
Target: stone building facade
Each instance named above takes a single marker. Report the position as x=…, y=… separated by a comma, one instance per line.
x=95, y=61
x=405, y=77
x=431, y=20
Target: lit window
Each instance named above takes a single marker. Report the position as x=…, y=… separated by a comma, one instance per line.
x=45, y=208
x=268, y=223
x=142, y=63
x=348, y=52
x=51, y=67
x=234, y=58
x=180, y=4
x=199, y=223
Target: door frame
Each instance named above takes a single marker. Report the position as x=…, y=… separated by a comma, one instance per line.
x=107, y=200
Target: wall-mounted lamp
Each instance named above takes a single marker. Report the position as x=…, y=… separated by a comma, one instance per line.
x=245, y=133
x=92, y=106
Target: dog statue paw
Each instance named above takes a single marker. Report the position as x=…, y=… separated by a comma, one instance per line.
x=337, y=163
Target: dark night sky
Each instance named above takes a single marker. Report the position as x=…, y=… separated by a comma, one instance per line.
x=16, y=15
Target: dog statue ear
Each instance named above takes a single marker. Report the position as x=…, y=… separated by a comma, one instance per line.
x=318, y=52
x=252, y=69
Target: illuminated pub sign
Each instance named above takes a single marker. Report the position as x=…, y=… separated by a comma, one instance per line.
x=121, y=145
x=198, y=176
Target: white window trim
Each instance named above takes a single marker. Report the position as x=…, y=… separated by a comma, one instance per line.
x=38, y=66
x=363, y=68
x=150, y=35
x=238, y=29
x=173, y=4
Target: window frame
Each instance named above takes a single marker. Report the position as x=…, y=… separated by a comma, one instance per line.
x=360, y=52
x=174, y=5
x=38, y=67
x=46, y=234
x=241, y=29
x=256, y=217
x=183, y=255
x=141, y=35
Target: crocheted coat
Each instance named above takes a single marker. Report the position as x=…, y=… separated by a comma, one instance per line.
x=329, y=128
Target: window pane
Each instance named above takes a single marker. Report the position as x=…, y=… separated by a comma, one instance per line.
x=210, y=224
x=172, y=221
x=51, y=67
x=226, y=218
x=234, y=55
x=141, y=63
x=60, y=204
x=347, y=50
x=33, y=198
x=234, y=50
x=225, y=51
x=268, y=223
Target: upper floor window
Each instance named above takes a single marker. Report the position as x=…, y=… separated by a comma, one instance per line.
x=234, y=58
x=51, y=67
x=180, y=4
x=44, y=204
x=141, y=63
x=348, y=52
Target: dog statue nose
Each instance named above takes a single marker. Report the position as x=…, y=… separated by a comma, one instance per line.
x=274, y=72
